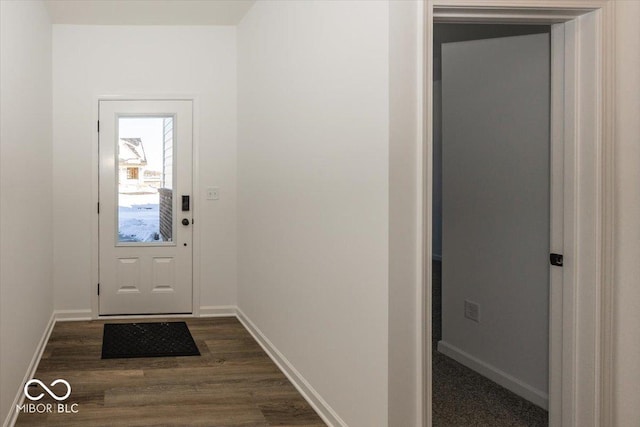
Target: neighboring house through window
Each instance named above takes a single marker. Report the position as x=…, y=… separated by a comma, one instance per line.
x=132, y=173
x=131, y=158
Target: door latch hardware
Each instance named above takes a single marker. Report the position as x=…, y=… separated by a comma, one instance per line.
x=556, y=259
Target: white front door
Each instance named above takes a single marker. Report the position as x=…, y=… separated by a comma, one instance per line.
x=145, y=207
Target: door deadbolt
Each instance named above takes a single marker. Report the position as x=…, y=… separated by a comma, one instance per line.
x=185, y=221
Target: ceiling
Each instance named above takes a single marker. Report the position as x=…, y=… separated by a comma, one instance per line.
x=148, y=12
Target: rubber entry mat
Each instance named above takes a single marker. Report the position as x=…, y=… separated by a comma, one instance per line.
x=160, y=339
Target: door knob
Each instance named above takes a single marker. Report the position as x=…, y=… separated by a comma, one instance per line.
x=185, y=221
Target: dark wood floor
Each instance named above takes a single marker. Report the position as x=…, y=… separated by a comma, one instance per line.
x=233, y=382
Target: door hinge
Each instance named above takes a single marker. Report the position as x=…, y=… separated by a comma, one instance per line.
x=98, y=288
x=98, y=207
x=98, y=126
x=556, y=259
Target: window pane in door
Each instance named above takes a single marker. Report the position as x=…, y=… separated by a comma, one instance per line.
x=145, y=203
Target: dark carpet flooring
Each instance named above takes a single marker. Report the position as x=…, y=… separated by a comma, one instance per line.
x=462, y=397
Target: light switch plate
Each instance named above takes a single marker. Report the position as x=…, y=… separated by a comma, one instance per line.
x=213, y=193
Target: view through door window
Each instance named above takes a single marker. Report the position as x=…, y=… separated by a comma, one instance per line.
x=145, y=179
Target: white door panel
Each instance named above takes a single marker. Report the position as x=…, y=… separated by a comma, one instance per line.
x=145, y=170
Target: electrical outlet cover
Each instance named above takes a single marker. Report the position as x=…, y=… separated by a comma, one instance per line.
x=213, y=193
x=472, y=311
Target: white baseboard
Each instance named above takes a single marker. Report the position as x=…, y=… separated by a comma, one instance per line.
x=12, y=416
x=328, y=415
x=72, y=315
x=217, y=311
x=507, y=381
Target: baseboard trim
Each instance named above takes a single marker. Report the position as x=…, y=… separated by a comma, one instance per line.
x=218, y=311
x=72, y=315
x=12, y=416
x=507, y=381
x=328, y=415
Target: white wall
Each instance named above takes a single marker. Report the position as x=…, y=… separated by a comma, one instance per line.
x=313, y=202
x=113, y=60
x=627, y=216
x=25, y=190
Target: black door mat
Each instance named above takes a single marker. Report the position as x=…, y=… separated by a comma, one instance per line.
x=161, y=339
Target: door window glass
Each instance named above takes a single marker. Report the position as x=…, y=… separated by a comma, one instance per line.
x=145, y=162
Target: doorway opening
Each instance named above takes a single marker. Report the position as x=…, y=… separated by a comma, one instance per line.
x=580, y=344
x=145, y=212
x=491, y=224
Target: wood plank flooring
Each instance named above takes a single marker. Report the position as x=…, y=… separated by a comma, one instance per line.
x=232, y=383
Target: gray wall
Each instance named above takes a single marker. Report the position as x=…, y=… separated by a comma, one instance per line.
x=447, y=33
x=495, y=133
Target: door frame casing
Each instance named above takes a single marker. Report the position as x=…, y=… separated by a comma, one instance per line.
x=587, y=115
x=195, y=171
